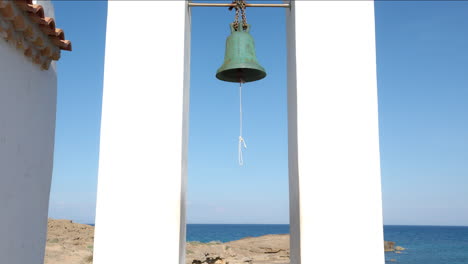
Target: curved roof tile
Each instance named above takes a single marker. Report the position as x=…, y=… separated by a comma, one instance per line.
x=26, y=25
x=36, y=13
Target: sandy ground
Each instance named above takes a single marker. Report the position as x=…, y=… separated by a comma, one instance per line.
x=69, y=243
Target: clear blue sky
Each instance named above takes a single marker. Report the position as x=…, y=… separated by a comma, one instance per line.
x=422, y=60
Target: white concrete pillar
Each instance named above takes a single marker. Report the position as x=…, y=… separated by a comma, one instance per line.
x=336, y=209
x=140, y=214
x=27, y=129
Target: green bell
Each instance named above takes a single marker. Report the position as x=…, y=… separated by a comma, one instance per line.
x=240, y=62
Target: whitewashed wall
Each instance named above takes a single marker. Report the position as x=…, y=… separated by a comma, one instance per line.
x=27, y=128
x=140, y=212
x=334, y=162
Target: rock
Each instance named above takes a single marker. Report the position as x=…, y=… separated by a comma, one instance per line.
x=389, y=246
x=398, y=252
x=399, y=248
x=217, y=260
x=393, y=260
x=210, y=260
x=247, y=260
x=271, y=250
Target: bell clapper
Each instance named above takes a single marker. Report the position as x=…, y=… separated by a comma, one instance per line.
x=241, y=139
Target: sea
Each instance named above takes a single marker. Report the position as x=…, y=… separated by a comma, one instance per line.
x=423, y=244
x=225, y=233
x=428, y=244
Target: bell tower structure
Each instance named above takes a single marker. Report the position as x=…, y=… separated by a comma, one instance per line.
x=334, y=163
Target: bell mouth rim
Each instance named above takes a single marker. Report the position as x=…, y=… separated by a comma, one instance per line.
x=232, y=75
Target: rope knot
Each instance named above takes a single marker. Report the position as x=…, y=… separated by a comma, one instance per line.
x=241, y=144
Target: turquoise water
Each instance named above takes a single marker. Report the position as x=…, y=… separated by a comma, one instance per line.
x=424, y=244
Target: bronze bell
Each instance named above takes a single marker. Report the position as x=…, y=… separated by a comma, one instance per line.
x=240, y=62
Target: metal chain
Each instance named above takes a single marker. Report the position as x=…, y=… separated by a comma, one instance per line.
x=240, y=6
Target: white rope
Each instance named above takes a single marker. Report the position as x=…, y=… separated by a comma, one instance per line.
x=241, y=139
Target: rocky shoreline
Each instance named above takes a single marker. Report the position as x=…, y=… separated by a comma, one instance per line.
x=389, y=246
x=72, y=243
x=269, y=249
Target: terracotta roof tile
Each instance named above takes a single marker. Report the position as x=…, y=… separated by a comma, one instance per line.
x=26, y=25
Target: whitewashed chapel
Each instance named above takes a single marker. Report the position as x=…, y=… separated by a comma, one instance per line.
x=30, y=43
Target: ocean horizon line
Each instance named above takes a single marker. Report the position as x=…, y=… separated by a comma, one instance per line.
x=231, y=224
x=429, y=225
x=288, y=224
x=422, y=225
